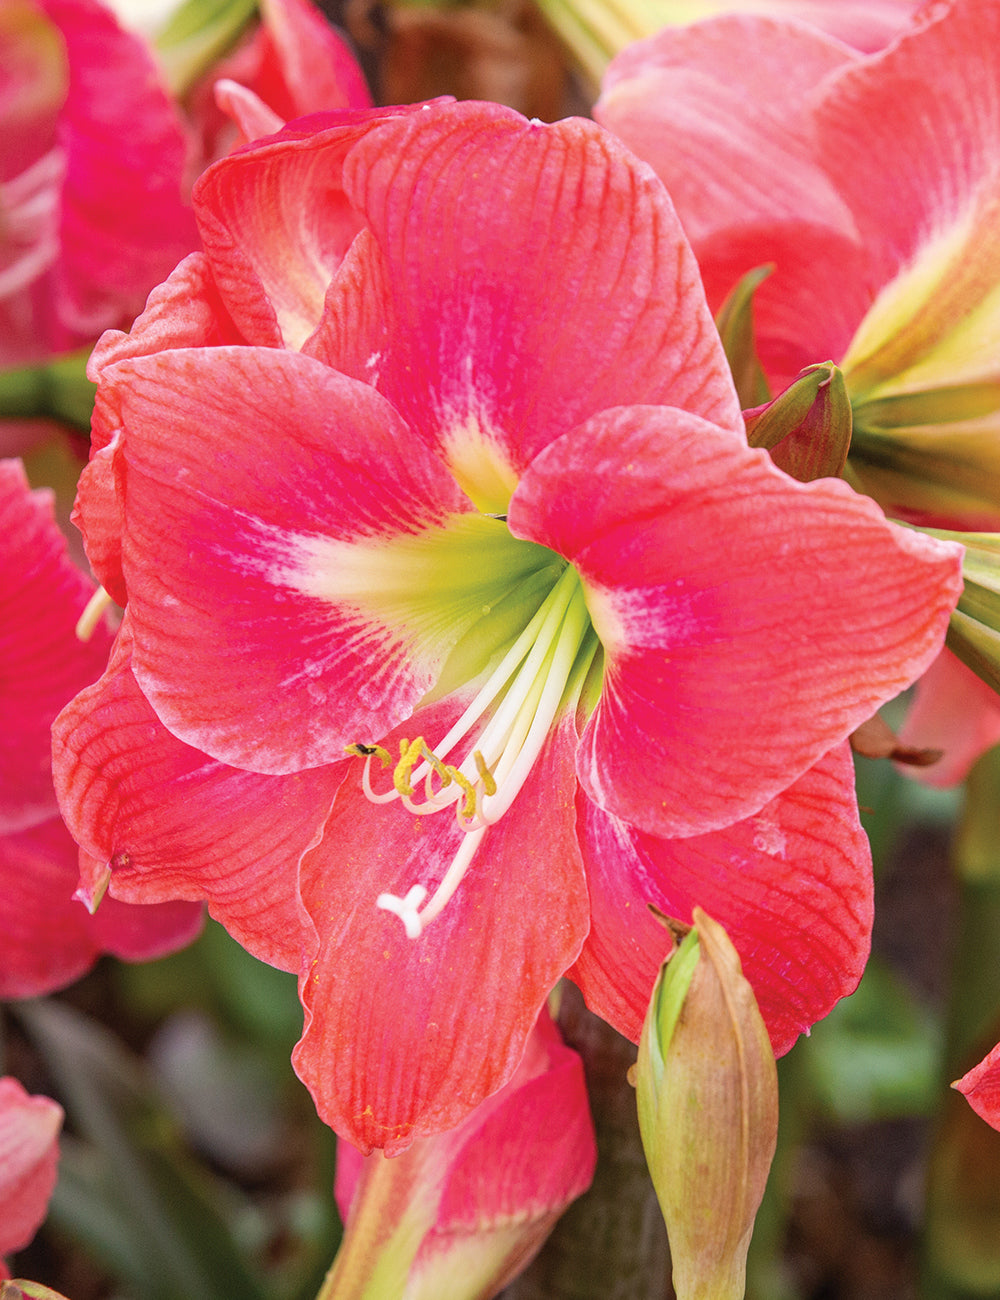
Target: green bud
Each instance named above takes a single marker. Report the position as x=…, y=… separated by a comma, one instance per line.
x=707, y=1095
x=807, y=428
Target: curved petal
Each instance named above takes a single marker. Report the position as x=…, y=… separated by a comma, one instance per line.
x=306, y=65
x=33, y=88
x=926, y=198
x=50, y=939
x=799, y=320
x=183, y=312
x=29, y=1153
x=955, y=711
x=729, y=135
x=259, y=486
x=174, y=824
x=533, y=275
x=749, y=622
x=404, y=1037
x=928, y=115
x=792, y=885
x=981, y=1088
x=276, y=223
x=122, y=202
x=42, y=664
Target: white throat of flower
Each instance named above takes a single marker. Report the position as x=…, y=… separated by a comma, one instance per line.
x=522, y=696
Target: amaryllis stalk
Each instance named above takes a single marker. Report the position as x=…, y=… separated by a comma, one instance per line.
x=461, y=621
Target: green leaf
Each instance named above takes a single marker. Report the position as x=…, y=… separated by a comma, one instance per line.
x=198, y=34
x=877, y=1055
x=736, y=329
x=58, y=390
x=142, y=1205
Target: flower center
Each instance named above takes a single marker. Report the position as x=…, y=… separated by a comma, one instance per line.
x=512, y=714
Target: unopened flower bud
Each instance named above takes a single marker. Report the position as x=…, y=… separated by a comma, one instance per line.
x=708, y=1110
x=807, y=428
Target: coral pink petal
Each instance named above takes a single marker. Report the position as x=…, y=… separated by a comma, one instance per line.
x=258, y=483
x=543, y=1108
x=50, y=939
x=306, y=66
x=29, y=1154
x=537, y=274
x=186, y=311
x=97, y=510
x=122, y=202
x=249, y=112
x=275, y=223
x=729, y=135
x=791, y=884
x=42, y=664
x=183, y=312
x=749, y=622
x=32, y=90
x=955, y=711
x=798, y=318
x=981, y=1088
x=928, y=113
x=174, y=824
x=138, y=931
x=404, y=1037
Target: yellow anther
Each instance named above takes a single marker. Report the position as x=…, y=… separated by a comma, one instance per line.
x=410, y=754
x=485, y=775
x=443, y=772
x=468, y=810
x=369, y=751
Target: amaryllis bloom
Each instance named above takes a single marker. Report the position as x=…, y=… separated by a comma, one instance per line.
x=461, y=621
x=92, y=210
x=462, y=1213
x=29, y=1154
x=870, y=185
x=49, y=937
x=292, y=63
x=596, y=30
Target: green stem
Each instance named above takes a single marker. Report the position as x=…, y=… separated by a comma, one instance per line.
x=610, y=1244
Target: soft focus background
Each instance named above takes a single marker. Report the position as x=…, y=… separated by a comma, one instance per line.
x=193, y=1164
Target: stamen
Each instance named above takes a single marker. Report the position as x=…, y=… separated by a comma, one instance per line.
x=523, y=696
x=405, y=909
x=485, y=775
x=95, y=607
x=409, y=755
x=369, y=751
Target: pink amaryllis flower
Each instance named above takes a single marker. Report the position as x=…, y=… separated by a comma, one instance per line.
x=461, y=621
x=49, y=937
x=870, y=185
x=293, y=63
x=462, y=1213
x=92, y=204
x=29, y=1154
